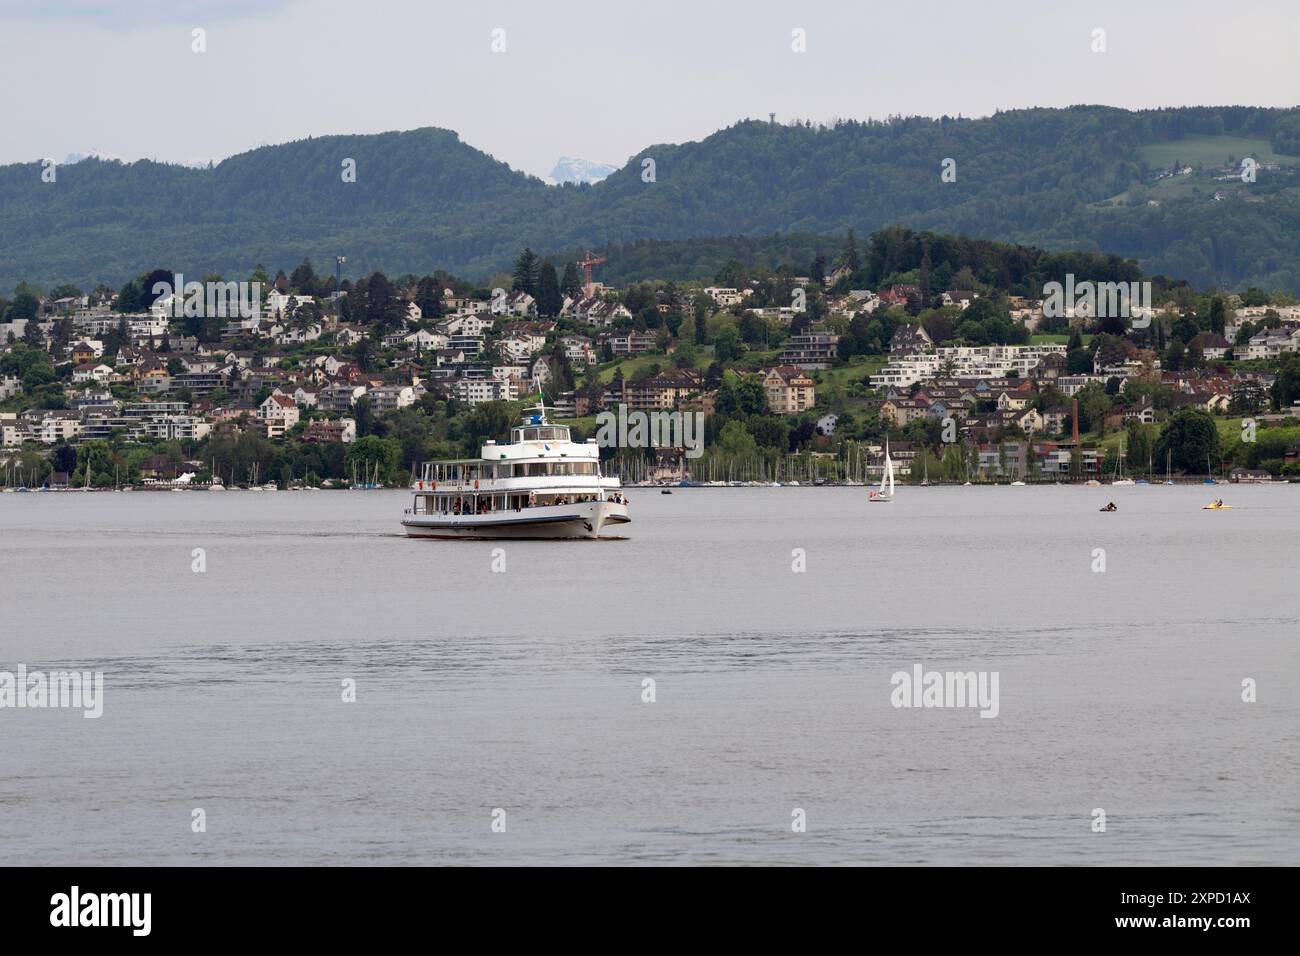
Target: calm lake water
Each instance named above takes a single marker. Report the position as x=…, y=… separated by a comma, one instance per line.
x=522, y=690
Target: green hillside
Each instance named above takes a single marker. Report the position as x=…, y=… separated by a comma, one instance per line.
x=1079, y=178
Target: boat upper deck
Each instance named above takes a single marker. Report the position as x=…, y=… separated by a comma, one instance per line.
x=539, y=454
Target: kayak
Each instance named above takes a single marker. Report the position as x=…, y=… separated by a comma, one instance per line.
x=1216, y=508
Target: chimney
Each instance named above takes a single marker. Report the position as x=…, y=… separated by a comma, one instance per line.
x=1076, y=422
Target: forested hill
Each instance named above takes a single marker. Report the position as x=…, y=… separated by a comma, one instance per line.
x=1157, y=186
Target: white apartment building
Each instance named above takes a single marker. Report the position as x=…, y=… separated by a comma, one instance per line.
x=965, y=361
x=476, y=391
x=55, y=425
x=389, y=398
x=169, y=427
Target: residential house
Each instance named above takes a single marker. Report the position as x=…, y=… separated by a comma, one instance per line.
x=811, y=350
x=92, y=372
x=900, y=411
x=348, y=335
x=339, y=396
x=331, y=430
x=666, y=390
x=623, y=342
x=1058, y=419
x=579, y=349
x=389, y=398
x=1212, y=345
x=789, y=389
x=279, y=412
x=908, y=339
x=477, y=391
x=725, y=297
x=516, y=303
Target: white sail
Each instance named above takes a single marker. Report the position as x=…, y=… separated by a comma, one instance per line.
x=886, y=492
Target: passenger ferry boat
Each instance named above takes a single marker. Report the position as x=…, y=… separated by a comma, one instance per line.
x=539, y=485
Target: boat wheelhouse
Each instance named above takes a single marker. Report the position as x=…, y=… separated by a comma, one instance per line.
x=540, y=484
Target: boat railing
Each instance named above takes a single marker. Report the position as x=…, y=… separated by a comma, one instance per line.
x=421, y=507
x=511, y=483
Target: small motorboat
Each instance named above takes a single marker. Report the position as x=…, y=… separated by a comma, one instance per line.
x=666, y=491
x=1109, y=507
x=1216, y=506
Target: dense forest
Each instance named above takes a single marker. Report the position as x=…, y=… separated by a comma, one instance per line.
x=1072, y=178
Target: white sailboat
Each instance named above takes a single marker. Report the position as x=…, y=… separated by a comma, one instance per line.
x=886, y=492
x=1119, y=478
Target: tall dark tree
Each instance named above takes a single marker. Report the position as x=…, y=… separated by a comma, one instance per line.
x=1218, y=314
x=817, y=271
x=549, y=298
x=152, y=279
x=1192, y=440
x=1286, y=387
x=703, y=306
x=571, y=284
x=304, y=278
x=363, y=353
x=119, y=336
x=24, y=306
x=562, y=378
x=375, y=301
x=428, y=296
x=32, y=334
x=850, y=257
x=131, y=297
x=526, y=272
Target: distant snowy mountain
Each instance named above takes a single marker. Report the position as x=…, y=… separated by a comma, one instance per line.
x=570, y=170
x=193, y=163
x=89, y=154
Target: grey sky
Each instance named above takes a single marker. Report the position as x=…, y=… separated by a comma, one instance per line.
x=599, y=81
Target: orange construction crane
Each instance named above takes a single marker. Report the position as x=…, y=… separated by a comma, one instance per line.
x=587, y=261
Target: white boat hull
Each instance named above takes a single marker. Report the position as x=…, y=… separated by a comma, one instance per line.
x=584, y=520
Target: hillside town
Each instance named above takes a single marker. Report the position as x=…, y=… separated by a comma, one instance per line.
x=337, y=383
